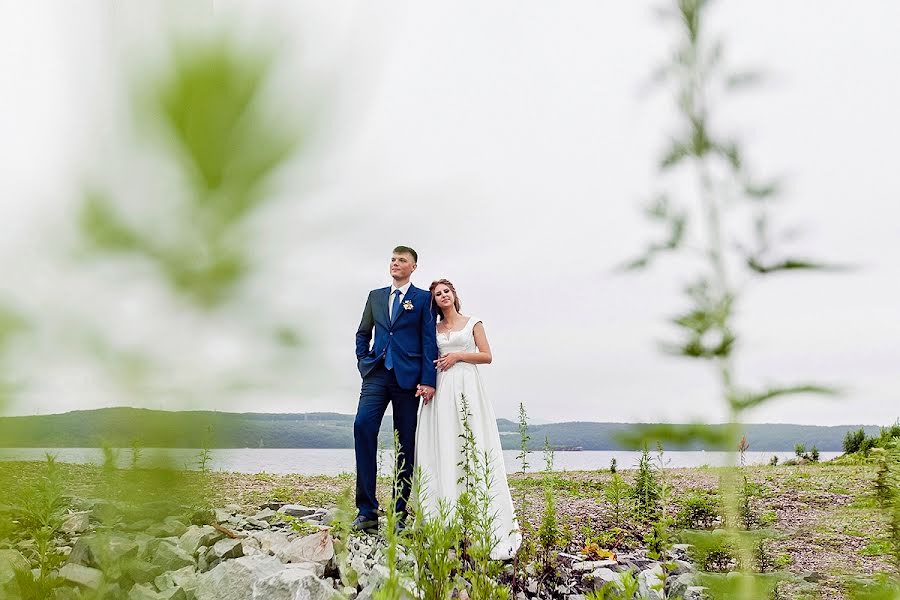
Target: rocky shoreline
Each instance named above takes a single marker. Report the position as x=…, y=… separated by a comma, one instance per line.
x=281, y=552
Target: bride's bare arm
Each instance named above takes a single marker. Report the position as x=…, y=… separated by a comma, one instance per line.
x=482, y=357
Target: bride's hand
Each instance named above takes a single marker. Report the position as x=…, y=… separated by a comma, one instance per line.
x=446, y=361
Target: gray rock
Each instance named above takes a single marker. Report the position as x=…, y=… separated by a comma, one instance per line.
x=297, y=510
x=228, y=548
x=164, y=582
x=695, y=592
x=680, y=584
x=266, y=514
x=141, y=571
x=103, y=550
x=235, y=579
x=185, y=578
x=66, y=593
x=318, y=547
x=222, y=514
x=329, y=515
x=650, y=583
x=10, y=562
x=143, y=592
x=80, y=575
x=367, y=592
x=77, y=522
x=591, y=565
x=171, y=557
x=293, y=584
x=604, y=576
x=140, y=525
x=682, y=566
x=196, y=536
x=257, y=523
x=170, y=527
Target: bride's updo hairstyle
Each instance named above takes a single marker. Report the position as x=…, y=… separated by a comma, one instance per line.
x=446, y=282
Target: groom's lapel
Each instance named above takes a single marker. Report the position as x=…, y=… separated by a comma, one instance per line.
x=409, y=297
x=385, y=297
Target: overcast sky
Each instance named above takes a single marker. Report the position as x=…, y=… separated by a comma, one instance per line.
x=512, y=144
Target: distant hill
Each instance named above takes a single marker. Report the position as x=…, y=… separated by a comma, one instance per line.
x=119, y=427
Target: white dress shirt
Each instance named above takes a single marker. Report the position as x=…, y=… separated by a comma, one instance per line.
x=403, y=291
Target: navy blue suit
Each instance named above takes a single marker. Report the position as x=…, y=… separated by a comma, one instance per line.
x=409, y=343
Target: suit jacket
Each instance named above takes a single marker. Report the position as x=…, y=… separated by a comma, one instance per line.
x=411, y=338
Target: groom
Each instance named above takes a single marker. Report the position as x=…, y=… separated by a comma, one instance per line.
x=397, y=368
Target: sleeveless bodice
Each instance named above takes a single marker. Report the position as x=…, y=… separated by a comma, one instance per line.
x=458, y=341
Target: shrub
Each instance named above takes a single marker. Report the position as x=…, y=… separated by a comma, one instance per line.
x=853, y=441
x=646, y=492
x=698, y=510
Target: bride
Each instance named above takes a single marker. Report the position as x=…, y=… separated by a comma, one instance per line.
x=463, y=345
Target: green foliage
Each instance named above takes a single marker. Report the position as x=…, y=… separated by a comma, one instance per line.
x=435, y=543
x=136, y=452
x=853, y=440
x=37, y=511
x=697, y=510
x=341, y=527
x=527, y=548
x=391, y=588
x=208, y=112
x=618, y=495
x=646, y=490
x=476, y=519
x=625, y=589
x=884, y=587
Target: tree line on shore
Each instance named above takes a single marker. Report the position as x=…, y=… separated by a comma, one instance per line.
x=124, y=426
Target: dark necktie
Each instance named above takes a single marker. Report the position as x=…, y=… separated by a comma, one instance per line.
x=395, y=310
x=395, y=307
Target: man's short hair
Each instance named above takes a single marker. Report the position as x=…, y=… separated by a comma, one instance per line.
x=407, y=250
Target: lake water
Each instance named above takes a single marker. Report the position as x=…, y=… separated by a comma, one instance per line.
x=322, y=461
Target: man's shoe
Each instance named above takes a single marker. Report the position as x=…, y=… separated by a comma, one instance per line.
x=366, y=524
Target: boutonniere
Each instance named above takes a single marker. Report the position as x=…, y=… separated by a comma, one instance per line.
x=408, y=305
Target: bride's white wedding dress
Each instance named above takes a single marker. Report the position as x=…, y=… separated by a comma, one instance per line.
x=439, y=446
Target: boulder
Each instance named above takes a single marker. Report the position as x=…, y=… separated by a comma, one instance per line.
x=10, y=562
x=591, y=565
x=195, y=536
x=297, y=510
x=266, y=514
x=228, y=548
x=141, y=571
x=293, y=583
x=605, y=576
x=679, y=584
x=695, y=592
x=171, y=557
x=318, y=547
x=650, y=583
x=235, y=579
x=87, y=577
x=103, y=550
x=77, y=522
